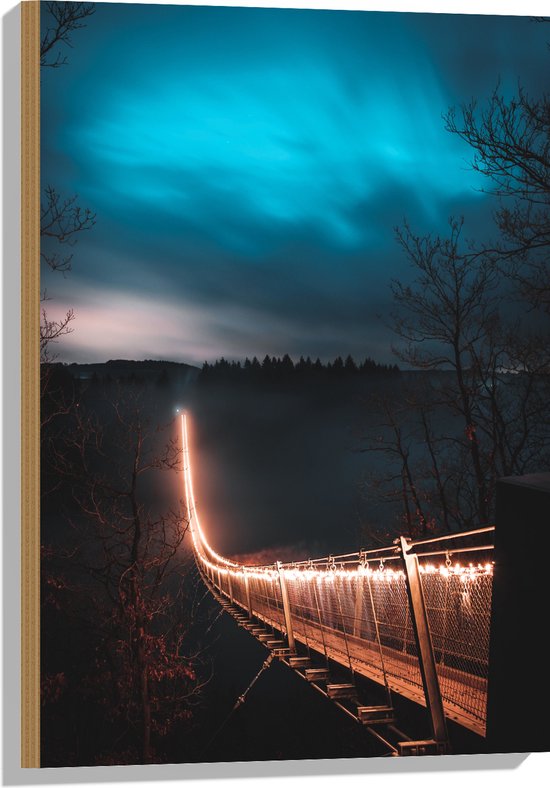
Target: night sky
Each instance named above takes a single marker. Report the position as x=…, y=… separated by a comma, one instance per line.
x=248, y=167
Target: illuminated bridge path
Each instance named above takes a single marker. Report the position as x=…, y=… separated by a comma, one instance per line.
x=413, y=617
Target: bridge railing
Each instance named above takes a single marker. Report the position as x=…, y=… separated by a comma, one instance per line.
x=458, y=605
x=364, y=610
x=355, y=609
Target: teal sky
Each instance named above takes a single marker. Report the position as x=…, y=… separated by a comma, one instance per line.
x=248, y=167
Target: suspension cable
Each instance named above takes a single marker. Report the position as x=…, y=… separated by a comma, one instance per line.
x=239, y=702
x=377, y=630
x=321, y=627
x=339, y=602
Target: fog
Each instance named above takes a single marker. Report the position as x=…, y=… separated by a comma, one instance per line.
x=281, y=468
x=280, y=472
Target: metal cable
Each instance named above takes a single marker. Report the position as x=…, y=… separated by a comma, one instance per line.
x=377, y=630
x=339, y=602
x=239, y=702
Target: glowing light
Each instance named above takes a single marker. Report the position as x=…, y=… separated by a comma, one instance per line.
x=457, y=570
x=197, y=534
x=323, y=574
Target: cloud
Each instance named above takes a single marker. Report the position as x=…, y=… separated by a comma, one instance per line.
x=248, y=166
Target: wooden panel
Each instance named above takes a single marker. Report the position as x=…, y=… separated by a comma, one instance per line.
x=30, y=382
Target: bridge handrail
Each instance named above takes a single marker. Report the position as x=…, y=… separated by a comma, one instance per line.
x=442, y=537
x=373, y=555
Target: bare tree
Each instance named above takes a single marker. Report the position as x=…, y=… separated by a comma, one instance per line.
x=511, y=148
x=481, y=410
x=60, y=221
x=447, y=319
x=484, y=411
x=61, y=218
x=122, y=569
x=62, y=20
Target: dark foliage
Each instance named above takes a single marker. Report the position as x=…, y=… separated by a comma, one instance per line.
x=122, y=661
x=284, y=371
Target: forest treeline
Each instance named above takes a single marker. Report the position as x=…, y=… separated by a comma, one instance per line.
x=283, y=369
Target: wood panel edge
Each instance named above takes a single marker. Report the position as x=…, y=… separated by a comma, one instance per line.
x=30, y=384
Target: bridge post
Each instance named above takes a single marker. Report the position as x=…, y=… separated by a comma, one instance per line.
x=424, y=644
x=286, y=608
x=518, y=692
x=230, y=585
x=247, y=591
x=358, y=608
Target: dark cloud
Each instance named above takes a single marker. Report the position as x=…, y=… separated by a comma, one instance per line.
x=248, y=168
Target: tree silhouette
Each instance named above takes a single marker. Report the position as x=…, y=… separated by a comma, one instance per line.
x=282, y=371
x=61, y=20
x=482, y=413
x=61, y=218
x=510, y=140
x=492, y=386
x=114, y=568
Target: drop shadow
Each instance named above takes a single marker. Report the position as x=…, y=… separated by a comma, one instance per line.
x=11, y=350
x=268, y=769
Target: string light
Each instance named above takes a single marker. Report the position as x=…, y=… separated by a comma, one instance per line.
x=196, y=530
x=457, y=570
x=326, y=573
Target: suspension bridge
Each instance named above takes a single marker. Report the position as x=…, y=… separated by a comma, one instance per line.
x=413, y=617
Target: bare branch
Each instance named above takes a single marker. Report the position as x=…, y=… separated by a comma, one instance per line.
x=63, y=18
